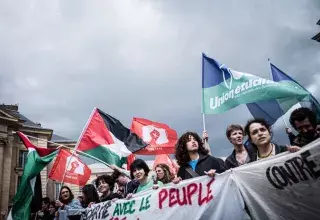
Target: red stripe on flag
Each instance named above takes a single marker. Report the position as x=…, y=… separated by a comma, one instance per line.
x=96, y=134
x=41, y=151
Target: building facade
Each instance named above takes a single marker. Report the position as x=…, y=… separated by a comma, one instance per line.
x=13, y=154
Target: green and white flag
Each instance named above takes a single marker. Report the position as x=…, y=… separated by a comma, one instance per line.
x=224, y=88
x=37, y=160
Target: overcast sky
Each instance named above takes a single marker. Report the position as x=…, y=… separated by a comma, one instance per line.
x=59, y=59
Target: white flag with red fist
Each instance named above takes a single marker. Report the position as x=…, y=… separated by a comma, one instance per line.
x=160, y=137
x=69, y=169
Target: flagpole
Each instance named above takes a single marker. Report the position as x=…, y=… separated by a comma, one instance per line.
x=202, y=106
x=282, y=116
x=77, y=144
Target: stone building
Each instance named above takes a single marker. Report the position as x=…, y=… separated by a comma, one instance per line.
x=13, y=156
x=13, y=153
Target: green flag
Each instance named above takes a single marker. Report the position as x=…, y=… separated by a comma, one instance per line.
x=35, y=163
x=224, y=88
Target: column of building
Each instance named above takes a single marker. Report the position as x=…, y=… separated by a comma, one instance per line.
x=6, y=174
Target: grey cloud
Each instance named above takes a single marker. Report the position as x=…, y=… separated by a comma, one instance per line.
x=59, y=59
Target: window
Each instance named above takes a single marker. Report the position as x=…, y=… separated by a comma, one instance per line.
x=22, y=158
x=58, y=187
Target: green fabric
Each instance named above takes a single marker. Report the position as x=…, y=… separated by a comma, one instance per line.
x=22, y=200
x=148, y=185
x=106, y=155
x=247, y=89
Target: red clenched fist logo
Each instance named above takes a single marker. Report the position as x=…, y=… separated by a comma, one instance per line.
x=154, y=135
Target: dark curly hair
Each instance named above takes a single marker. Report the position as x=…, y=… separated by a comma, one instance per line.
x=301, y=114
x=139, y=164
x=168, y=176
x=257, y=120
x=107, y=179
x=71, y=197
x=182, y=155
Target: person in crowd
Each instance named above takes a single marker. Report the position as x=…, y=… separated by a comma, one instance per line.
x=43, y=214
x=194, y=159
x=126, y=185
x=259, y=134
x=163, y=173
x=105, y=185
x=240, y=155
x=90, y=196
x=139, y=170
x=52, y=210
x=80, y=198
x=304, y=121
x=66, y=199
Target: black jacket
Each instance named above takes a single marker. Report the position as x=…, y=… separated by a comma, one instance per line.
x=231, y=161
x=205, y=163
x=302, y=141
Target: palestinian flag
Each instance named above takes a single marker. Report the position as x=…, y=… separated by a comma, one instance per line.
x=105, y=138
x=37, y=159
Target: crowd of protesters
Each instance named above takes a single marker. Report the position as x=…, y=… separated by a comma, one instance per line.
x=194, y=159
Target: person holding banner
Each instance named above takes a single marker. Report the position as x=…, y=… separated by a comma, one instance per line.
x=305, y=122
x=259, y=134
x=194, y=160
x=240, y=155
x=105, y=185
x=139, y=170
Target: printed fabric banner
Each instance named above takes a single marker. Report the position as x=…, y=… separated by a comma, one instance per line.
x=224, y=88
x=199, y=198
x=286, y=186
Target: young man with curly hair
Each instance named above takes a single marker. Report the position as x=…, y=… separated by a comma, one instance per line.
x=194, y=160
x=105, y=185
x=304, y=121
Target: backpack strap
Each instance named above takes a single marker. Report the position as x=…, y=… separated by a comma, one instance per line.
x=192, y=172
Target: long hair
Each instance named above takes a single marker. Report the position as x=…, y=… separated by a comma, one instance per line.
x=71, y=197
x=168, y=177
x=90, y=194
x=182, y=155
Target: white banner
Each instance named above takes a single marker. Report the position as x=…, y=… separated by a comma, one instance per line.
x=286, y=186
x=199, y=198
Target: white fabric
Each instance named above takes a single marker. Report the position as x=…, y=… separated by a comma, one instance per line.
x=266, y=198
x=226, y=202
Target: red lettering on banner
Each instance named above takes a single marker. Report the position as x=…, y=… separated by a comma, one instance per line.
x=183, y=196
x=172, y=194
x=163, y=194
x=191, y=189
x=209, y=192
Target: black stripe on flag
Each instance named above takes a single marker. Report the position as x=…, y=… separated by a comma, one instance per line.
x=130, y=139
